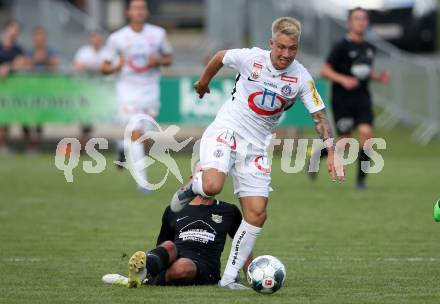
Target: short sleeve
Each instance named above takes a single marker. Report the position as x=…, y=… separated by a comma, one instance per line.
x=235, y=58
x=336, y=54
x=111, y=49
x=236, y=221
x=165, y=46
x=166, y=231
x=309, y=94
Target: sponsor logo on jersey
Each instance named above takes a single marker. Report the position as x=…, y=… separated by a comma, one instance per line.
x=181, y=218
x=315, y=96
x=138, y=63
x=198, y=231
x=266, y=103
x=291, y=79
x=227, y=138
x=256, y=71
x=250, y=79
x=271, y=84
x=217, y=218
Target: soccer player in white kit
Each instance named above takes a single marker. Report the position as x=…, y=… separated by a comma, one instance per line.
x=141, y=49
x=268, y=83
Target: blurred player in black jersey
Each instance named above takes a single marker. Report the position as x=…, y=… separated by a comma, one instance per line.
x=350, y=68
x=188, y=248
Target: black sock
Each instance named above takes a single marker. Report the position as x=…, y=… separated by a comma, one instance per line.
x=159, y=279
x=361, y=174
x=157, y=260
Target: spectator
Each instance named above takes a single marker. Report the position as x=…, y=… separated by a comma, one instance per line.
x=11, y=58
x=43, y=58
x=89, y=58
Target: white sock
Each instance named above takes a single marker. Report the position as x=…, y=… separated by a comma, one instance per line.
x=242, y=245
x=197, y=184
x=138, y=153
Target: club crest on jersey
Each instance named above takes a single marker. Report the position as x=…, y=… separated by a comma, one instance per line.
x=256, y=70
x=217, y=218
x=286, y=90
x=291, y=79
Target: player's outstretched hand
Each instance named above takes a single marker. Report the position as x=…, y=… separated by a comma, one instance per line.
x=385, y=77
x=201, y=89
x=350, y=83
x=335, y=167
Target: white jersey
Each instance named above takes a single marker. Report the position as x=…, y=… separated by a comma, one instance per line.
x=262, y=93
x=90, y=57
x=136, y=48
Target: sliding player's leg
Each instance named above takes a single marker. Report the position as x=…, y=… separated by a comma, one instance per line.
x=217, y=154
x=145, y=265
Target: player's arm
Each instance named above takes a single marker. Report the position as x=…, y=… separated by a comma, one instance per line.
x=108, y=67
x=211, y=69
x=382, y=77
x=348, y=82
x=334, y=165
x=113, y=58
x=166, y=231
x=161, y=60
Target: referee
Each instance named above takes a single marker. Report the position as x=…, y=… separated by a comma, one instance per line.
x=350, y=68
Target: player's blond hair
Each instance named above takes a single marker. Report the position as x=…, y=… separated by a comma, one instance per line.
x=288, y=26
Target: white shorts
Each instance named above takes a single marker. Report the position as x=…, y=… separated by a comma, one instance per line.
x=227, y=151
x=134, y=100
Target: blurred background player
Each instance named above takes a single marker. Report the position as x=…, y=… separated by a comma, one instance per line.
x=189, y=246
x=12, y=58
x=350, y=67
x=43, y=58
x=88, y=59
x=268, y=83
x=141, y=49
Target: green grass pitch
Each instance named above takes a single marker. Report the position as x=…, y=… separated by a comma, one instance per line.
x=338, y=245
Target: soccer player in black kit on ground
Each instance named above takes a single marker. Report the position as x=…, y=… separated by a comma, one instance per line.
x=188, y=248
x=350, y=68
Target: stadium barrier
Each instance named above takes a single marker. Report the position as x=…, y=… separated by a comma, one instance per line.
x=64, y=98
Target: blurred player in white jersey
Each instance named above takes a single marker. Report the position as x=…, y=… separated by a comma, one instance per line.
x=140, y=50
x=268, y=83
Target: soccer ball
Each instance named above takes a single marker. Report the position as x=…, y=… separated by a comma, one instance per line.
x=266, y=274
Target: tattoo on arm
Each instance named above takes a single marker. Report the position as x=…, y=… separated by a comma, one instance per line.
x=323, y=127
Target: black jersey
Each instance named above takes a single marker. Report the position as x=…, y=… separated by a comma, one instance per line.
x=9, y=54
x=199, y=231
x=353, y=59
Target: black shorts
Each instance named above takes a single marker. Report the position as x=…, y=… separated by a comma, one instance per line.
x=352, y=111
x=206, y=274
